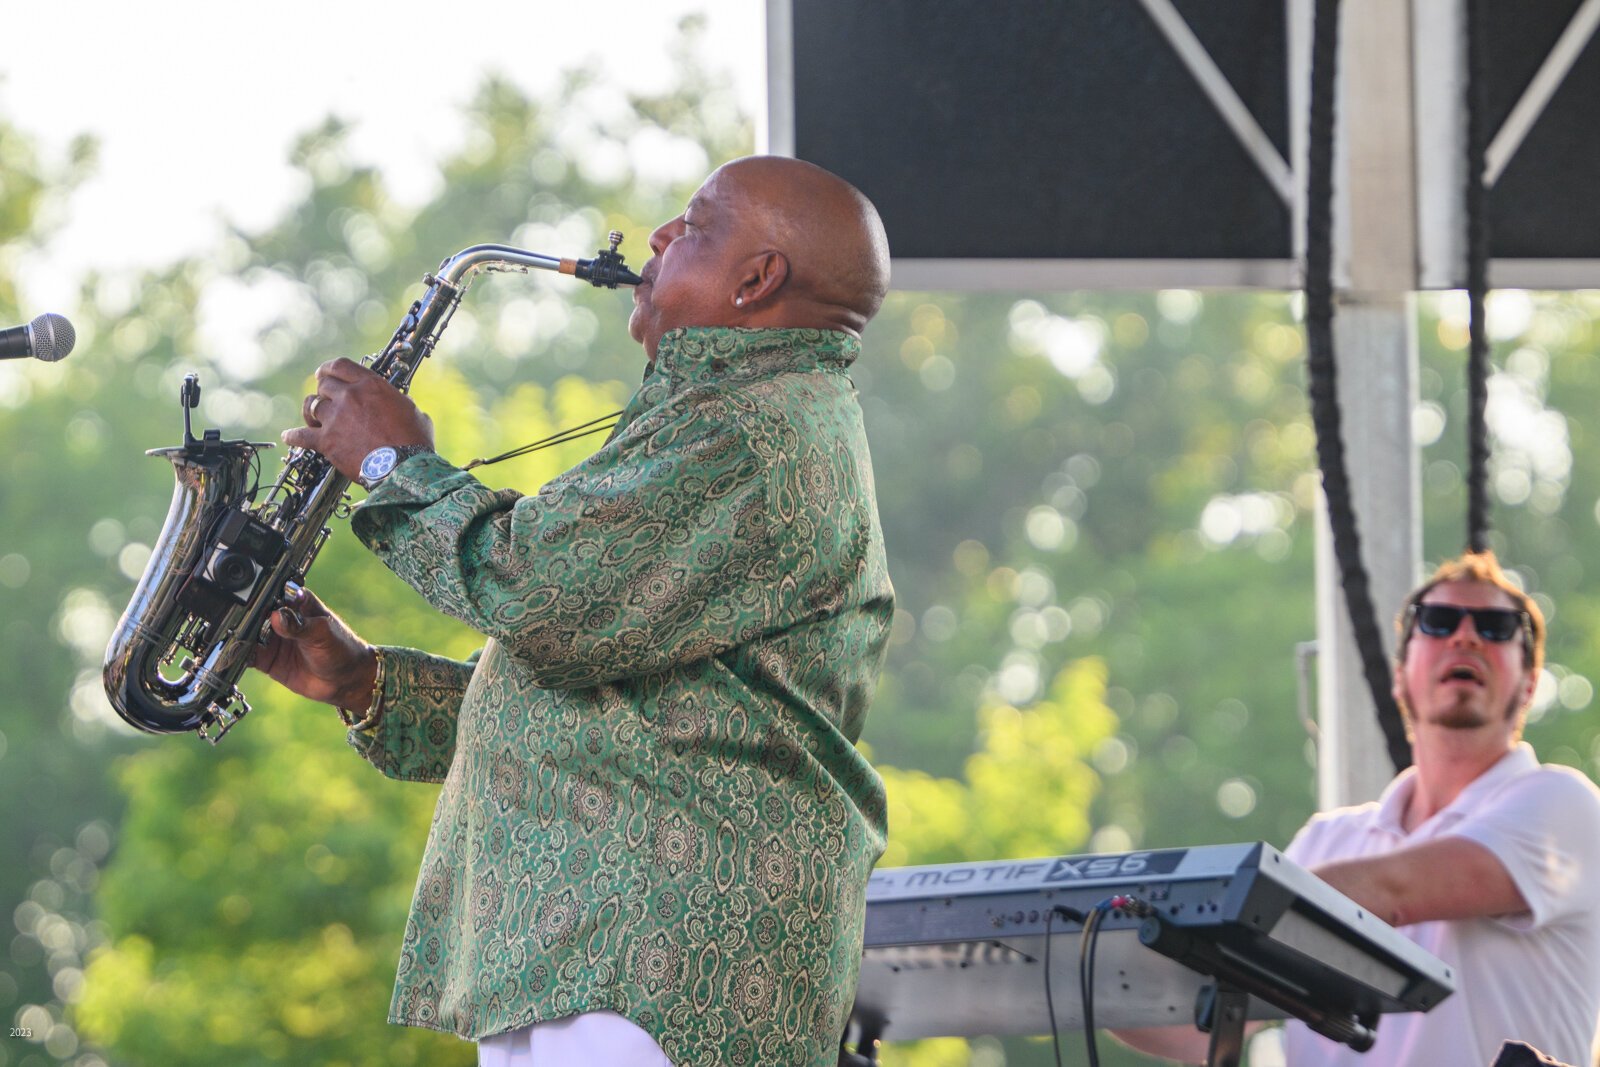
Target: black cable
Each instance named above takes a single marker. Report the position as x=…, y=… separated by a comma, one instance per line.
x=1323, y=385
x=1086, y=954
x=255, y=476
x=561, y=437
x=1049, y=1001
x=1477, y=209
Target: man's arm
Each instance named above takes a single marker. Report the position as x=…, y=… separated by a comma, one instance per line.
x=1446, y=878
x=646, y=555
x=706, y=524
x=314, y=653
x=1181, y=1044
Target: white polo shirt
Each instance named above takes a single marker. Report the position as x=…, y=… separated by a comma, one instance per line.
x=1532, y=977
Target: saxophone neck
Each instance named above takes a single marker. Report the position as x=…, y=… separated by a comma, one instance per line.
x=418, y=332
x=458, y=270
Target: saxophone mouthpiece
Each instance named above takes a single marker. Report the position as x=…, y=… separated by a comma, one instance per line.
x=606, y=268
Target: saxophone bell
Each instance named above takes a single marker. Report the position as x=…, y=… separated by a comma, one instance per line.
x=168, y=668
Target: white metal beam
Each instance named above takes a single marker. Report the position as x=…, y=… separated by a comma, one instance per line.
x=1552, y=72
x=1220, y=92
x=775, y=124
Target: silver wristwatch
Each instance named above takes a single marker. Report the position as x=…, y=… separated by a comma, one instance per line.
x=383, y=460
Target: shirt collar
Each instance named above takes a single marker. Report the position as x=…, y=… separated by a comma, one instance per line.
x=1392, y=805
x=695, y=355
x=709, y=353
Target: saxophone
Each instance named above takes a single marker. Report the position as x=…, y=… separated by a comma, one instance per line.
x=229, y=554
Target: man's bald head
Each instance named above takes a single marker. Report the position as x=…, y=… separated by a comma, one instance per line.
x=837, y=250
x=766, y=241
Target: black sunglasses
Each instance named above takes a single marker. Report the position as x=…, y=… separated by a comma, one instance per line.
x=1492, y=624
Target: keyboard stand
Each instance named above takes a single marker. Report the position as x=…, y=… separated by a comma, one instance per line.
x=1221, y=1011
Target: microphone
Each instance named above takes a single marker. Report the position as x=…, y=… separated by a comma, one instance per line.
x=48, y=337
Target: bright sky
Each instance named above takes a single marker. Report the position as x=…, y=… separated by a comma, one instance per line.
x=197, y=104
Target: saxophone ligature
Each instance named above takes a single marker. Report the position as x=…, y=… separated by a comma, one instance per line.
x=231, y=553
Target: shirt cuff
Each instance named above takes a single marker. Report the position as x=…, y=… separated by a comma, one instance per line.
x=418, y=482
x=414, y=740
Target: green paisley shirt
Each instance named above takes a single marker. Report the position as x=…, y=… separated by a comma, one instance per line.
x=652, y=801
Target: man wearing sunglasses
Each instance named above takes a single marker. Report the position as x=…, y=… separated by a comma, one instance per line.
x=1485, y=857
x=1480, y=854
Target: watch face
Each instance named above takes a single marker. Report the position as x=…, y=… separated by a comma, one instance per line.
x=379, y=462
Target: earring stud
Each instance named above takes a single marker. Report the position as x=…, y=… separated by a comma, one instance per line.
x=738, y=301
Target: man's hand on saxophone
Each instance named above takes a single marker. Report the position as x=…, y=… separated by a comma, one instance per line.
x=312, y=652
x=354, y=411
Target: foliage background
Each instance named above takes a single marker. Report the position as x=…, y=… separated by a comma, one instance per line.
x=1098, y=510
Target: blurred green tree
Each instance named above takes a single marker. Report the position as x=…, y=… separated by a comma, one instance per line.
x=1024, y=792
x=1120, y=475
x=55, y=831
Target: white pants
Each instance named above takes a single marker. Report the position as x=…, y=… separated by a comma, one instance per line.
x=588, y=1040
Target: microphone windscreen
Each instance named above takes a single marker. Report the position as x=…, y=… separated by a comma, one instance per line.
x=53, y=337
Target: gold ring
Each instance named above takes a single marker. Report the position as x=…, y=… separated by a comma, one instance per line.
x=311, y=409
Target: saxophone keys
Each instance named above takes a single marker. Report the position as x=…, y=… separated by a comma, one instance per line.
x=222, y=715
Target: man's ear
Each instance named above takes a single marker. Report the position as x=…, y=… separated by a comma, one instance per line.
x=764, y=275
x=1530, y=683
